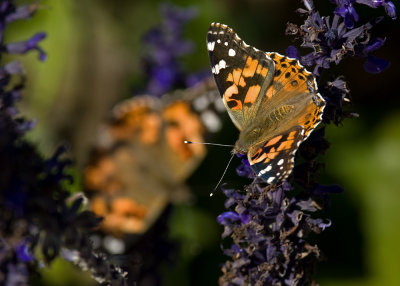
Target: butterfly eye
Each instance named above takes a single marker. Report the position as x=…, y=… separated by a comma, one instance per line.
x=255, y=131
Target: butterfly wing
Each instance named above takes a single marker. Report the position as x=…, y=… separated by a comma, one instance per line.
x=274, y=160
x=242, y=73
x=294, y=85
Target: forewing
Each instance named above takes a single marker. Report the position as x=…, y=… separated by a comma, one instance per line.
x=242, y=73
x=274, y=160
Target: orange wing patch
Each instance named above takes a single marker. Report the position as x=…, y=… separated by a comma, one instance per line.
x=182, y=123
x=250, y=67
x=273, y=141
x=139, y=122
x=252, y=94
x=285, y=145
x=233, y=103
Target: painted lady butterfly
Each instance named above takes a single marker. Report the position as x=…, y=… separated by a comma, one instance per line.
x=271, y=99
x=141, y=162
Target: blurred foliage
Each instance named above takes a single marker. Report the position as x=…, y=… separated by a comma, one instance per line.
x=94, y=61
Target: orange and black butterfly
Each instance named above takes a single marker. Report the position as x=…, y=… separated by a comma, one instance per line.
x=271, y=99
x=141, y=162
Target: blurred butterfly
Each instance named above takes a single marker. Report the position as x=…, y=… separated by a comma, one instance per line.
x=140, y=162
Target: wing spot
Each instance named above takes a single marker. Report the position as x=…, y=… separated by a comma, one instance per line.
x=294, y=83
x=231, y=52
x=219, y=66
x=252, y=94
x=273, y=141
x=280, y=162
x=210, y=46
x=270, y=180
x=287, y=75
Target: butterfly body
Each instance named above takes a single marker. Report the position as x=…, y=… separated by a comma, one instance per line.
x=270, y=98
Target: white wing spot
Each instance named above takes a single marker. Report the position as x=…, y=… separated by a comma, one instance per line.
x=219, y=66
x=218, y=41
x=280, y=162
x=226, y=43
x=270, y=180
x=210, y=46
x=269, y=167
x=231, y=52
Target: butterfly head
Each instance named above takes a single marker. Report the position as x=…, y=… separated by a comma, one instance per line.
x=249, y=137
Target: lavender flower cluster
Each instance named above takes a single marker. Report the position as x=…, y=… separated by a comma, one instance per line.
x=38, y=218
x=165, y=46
x=268, y=225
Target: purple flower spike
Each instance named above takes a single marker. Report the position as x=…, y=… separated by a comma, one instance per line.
x=165, y=46
x=34, y=199
x=269, y=224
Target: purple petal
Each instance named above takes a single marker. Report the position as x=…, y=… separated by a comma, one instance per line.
x=292, y=52
x=31, y=44
x=390, y=10
x=227, y=217
x=353, y=13
x=22, y=12
x=342, y=11
x=23, y=252
x=308, y=4
x=374, y=44
x=245, y=218
x=349, y=21
x=375, y=65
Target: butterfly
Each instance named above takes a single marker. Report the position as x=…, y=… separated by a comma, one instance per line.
x=270, y=98
x=140, y=161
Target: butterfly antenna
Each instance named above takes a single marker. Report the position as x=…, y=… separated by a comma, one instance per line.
x=220, y=180
x=206, y=143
